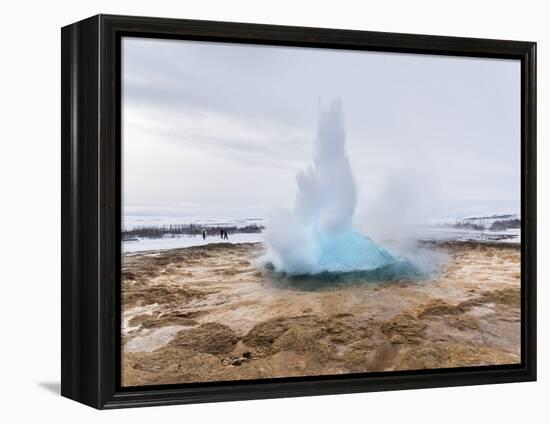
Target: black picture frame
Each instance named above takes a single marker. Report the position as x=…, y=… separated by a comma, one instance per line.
x=91, y=206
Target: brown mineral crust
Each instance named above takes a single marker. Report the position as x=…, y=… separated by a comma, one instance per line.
x=208, y=338
x=209, y=313
x=404, y=328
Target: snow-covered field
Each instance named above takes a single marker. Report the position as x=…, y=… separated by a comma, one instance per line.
x=436, y=233
x=441, y=230
x=178, y=242
x=512, y=235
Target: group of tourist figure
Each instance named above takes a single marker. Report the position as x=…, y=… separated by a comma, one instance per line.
x=223, y=234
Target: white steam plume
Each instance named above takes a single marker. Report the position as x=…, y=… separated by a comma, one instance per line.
x=317, y=235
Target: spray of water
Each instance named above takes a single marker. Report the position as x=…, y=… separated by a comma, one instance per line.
x=317, y=236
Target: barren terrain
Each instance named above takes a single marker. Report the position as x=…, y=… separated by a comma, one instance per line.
x=209, y=313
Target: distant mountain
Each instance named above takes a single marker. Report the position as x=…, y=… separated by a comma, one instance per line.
x=502, y=225
x=491, y=222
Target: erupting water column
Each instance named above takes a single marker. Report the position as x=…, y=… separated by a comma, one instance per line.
x=317, y=235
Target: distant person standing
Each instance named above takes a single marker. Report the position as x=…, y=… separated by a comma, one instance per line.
x=225, y=235
x=221, y=233
x=204, y=234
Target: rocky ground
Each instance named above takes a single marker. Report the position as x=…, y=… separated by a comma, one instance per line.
x=209, y=313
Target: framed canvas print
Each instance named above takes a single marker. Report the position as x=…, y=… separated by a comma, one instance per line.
x=253, y=211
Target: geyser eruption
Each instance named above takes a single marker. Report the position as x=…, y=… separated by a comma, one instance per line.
x=317, y=235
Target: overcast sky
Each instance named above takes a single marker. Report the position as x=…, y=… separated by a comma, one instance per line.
x=221, y=129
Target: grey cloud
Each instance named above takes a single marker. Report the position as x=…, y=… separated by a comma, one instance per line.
x=456, y=119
